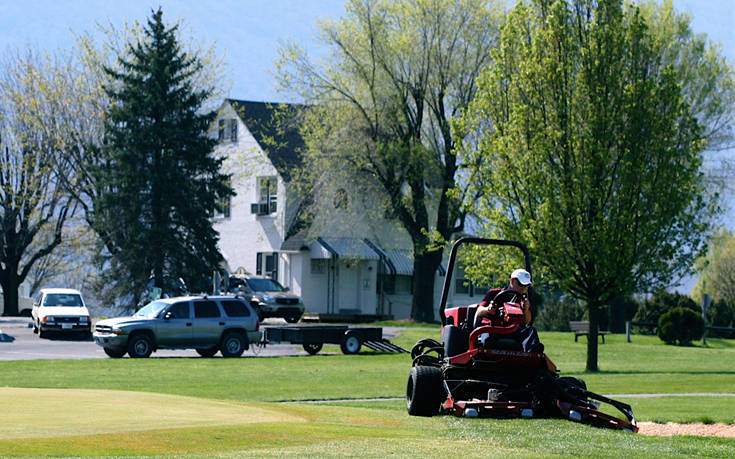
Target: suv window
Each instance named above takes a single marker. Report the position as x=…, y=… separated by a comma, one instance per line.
x=235, y=308
x=206, y=309
x=179, y=310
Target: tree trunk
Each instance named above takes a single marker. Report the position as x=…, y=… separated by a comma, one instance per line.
x=594, y=312
x=424, y=271
x=10, y=294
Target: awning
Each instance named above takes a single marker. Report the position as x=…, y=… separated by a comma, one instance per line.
x=398, y=261
x=348, y=248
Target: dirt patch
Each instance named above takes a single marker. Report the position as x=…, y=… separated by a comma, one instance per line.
x=697, y=428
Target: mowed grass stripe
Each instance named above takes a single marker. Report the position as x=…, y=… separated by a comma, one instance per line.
x=71, y=412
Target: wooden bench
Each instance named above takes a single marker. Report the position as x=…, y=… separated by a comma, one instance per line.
x=582, y=327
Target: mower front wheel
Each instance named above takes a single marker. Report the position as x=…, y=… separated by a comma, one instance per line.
x=424, y=391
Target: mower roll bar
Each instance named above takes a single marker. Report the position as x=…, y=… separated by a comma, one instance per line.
x=453, y=257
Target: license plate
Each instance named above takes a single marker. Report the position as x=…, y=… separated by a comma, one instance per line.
x=67, y=325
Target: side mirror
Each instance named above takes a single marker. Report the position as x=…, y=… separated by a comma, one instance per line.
x=287, y=289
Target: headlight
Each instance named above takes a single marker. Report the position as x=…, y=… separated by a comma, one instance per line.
x=269, y=299
x=84, y=319
x=117, y=331
x=47, y=319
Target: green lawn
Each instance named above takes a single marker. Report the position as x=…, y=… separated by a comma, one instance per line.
x=142, y=420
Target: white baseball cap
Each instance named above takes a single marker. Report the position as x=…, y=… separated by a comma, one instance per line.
x=523, y=276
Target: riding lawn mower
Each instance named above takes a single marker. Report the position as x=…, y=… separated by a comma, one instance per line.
x=482, y=371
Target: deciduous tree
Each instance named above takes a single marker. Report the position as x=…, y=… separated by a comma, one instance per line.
x=586, y=149
x=34, y=206
x=379, y=130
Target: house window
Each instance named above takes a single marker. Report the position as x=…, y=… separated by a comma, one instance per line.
x=223, y=207
x=463, y=286
x=395, y=285
x=227, y=130
x=221, y=131
x=266, y=264
x=318, y=266
x=268, y=193
x=233, y=130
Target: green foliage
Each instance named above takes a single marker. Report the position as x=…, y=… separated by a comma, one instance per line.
x=721, y=314
x=716, y=268
x=159, y=179
x=397, y=73
x=662, y=302
x=680, y=325
x=582, y=145
x=557, y=312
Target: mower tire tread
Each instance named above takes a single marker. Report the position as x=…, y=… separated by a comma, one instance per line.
x=424, y=391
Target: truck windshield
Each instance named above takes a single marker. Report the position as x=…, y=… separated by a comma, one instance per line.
x=63, y=299
x=151, y=310
x=265, y=285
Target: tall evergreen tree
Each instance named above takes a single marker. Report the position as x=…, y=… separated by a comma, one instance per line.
x=161, y=179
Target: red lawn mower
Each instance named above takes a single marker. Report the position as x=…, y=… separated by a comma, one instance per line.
x=482, y=371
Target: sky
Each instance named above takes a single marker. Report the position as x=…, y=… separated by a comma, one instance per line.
x=247, y=33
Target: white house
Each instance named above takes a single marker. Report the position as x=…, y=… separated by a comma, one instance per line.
x=362, y=268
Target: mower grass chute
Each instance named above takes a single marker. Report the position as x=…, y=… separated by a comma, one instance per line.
x=484, y=372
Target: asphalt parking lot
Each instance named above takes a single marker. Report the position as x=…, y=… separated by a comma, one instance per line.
x=18, y=342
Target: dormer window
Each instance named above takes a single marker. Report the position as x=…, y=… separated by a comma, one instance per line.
x=227, y=130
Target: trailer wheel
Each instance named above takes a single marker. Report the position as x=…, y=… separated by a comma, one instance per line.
x=350, y=344
x=424, y=391
x=313, y=348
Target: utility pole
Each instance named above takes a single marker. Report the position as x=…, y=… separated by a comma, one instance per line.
x=706, y=299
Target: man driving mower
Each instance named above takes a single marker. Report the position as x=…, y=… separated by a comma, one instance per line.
x=489, y=310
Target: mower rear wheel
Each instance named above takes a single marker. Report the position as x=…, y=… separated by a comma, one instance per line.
x=424, y=391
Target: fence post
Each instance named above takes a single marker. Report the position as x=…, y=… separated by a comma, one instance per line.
x=627, y=330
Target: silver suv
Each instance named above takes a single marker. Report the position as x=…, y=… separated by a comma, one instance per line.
x=226, y=324
x=268, y=297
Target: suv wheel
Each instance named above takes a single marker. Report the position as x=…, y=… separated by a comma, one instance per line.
x=233, y=344
x=207, y=351
x=114, y=353
x=140, y=346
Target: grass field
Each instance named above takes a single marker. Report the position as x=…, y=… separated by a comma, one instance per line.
x=232, y=407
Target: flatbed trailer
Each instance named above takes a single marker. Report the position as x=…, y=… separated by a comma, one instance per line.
x=314, y=337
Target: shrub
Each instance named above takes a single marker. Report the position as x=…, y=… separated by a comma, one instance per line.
x=662, y=302
x=680, y=325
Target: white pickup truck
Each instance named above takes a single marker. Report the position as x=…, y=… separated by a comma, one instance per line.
x=60, y=310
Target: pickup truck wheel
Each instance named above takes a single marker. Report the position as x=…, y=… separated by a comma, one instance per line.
x=140, y=346
x=114, y=353
x=350, y=344
x=313, y=348
x=207, y=351
x=233, y=345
